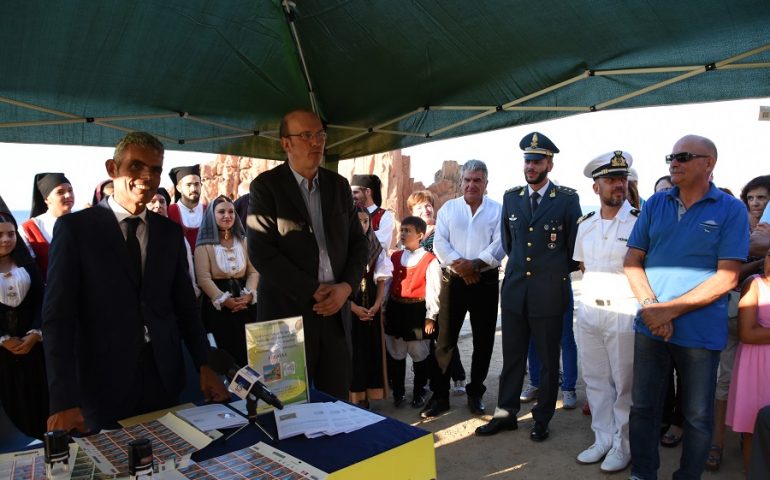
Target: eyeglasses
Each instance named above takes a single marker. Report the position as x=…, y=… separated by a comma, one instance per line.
x=683, y=157
x=308, y=136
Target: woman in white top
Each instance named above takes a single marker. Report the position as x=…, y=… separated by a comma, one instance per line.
x=226, y=277
x=23, y=384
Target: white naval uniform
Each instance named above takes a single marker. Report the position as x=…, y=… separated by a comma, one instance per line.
x=605, y=324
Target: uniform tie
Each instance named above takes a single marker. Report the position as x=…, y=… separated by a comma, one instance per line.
x=132, y=245
x=534, y=198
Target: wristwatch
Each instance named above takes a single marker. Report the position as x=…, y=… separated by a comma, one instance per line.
x=649, y=301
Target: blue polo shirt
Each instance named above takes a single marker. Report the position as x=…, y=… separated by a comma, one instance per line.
x=682, y=250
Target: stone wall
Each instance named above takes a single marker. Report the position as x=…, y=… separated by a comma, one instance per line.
x=231, y=175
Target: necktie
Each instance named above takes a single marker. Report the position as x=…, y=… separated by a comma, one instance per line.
x=132, y=245
x=534, y=198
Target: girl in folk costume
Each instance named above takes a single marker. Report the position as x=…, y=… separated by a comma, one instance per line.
x=23, y=384
x=52, y=197
x=368, y=380
x=227, y=277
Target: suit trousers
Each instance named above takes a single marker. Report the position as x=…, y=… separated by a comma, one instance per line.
x=149, y=394
x=456, y=299
x=546, y=333
x=327, y=354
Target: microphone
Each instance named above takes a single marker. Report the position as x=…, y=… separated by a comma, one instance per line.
x=224, y=364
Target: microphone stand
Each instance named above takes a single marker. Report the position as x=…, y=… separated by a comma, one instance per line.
x=251, y=410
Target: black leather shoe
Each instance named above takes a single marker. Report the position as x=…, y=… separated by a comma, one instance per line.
x=539, y=432
x=476, y=405
x=398, y=400
x=497, y=425
x=418, y=401
x=434, y=407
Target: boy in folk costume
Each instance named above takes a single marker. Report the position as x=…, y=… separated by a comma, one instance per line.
x=412, y=309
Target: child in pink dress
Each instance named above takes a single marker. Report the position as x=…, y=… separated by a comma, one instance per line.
x=750, y=385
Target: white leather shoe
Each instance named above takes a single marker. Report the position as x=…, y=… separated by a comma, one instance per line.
x=592, y=454
x=569, y=400
x=615, y=461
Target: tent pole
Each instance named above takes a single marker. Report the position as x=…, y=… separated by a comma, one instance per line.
x=695, y=72
x=288, y=6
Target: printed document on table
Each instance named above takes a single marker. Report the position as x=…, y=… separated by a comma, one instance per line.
x=309, y=419
x=211, y=417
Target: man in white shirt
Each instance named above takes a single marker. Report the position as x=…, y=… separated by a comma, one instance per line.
x=367, y=192
x=187, y=210
x=467, y=242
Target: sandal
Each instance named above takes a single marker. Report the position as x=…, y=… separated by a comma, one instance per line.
x=670, y=439
x=714, y=460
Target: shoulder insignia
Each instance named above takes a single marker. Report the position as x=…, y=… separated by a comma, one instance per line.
x=514, y=189
x=585, y=217
x=635, y=212
x=566, y=190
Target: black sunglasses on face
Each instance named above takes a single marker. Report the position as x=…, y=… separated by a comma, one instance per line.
x=683, y=157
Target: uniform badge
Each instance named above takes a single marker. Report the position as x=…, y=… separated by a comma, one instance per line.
x=513, y=218
x=553, y=193
x=552, y=246
x=553, y=237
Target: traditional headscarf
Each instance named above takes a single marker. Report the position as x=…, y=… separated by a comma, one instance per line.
x=208, y=234
x=178, y=173
x=44, y=184
x=99, y=191
x=372, y=182
x=375, y=247
x=3, y=206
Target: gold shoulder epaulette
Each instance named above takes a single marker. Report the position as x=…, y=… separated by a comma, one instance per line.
x=566, y=190
x=585, y=217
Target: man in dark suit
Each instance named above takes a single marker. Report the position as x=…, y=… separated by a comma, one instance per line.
x=306, y=241
x=538, y=229
x=120, y=302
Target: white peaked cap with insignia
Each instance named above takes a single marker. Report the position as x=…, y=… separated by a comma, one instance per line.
x=611, y=164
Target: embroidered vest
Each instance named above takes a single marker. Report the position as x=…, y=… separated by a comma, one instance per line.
x=39, y=245
x=409, y=282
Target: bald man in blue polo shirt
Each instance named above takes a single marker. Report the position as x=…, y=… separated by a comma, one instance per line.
x=684, y=255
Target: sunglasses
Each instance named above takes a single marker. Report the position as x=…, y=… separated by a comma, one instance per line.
x=683, y=157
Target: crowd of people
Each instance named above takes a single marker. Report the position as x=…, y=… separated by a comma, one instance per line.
x=671, y=327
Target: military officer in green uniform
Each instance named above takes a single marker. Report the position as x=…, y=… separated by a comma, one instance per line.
x=538, y=229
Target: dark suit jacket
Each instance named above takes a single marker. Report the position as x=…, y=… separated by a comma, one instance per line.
x=93, y=309
x=539, y=250
x=283, y=248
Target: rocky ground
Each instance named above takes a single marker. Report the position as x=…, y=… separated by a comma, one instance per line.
x=461, y=455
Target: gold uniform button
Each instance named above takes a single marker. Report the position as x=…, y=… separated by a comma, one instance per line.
x=529, y=274
x=529, y=259
x=529, y=244
x=531, y=229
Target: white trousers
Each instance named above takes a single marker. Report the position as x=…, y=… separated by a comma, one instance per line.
x=605, y=339
x=398, y=348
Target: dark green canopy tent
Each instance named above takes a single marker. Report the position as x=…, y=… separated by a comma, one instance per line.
x=217, y=76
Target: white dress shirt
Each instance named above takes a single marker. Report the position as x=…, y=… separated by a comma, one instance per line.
x=190, y=218
x=461, y=234
x=601, y=246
